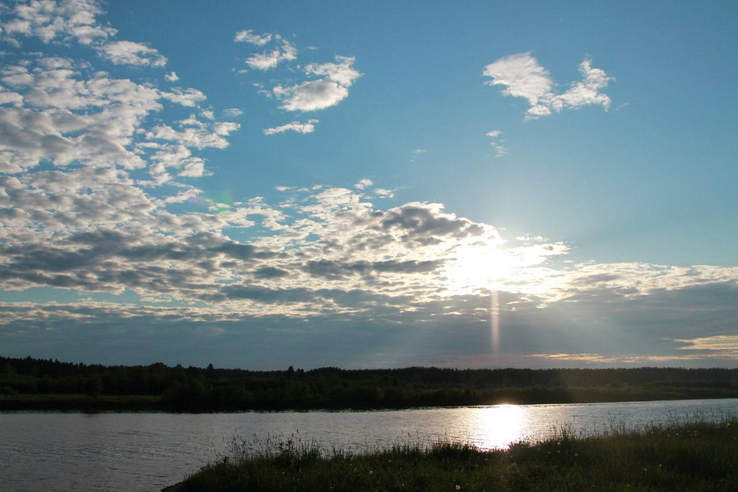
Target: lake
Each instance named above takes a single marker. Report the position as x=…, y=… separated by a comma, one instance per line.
x=147, y=451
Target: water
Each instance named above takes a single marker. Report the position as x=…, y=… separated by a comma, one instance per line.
x=147, y=451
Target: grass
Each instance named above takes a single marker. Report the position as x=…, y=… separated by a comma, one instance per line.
x=694, y=455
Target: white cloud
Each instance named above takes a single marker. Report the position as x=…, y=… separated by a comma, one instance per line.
x=130, y=53
x=295, y=126
x=270, y=59
x=364, y=183
x=342, y=73
x=319, y=94
x=233, y=112
x=500, y=150
x=171, y=77
x=248, y=36
x=53, y=21
x=311, y=96
x=522, y=76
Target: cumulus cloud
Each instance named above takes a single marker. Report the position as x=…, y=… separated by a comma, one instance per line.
x=319, y=94
x=364, y=183
x=171, y=77
x=130, y=53
x=233, y=112
x=522, y=76
x=53, y=21
x=342, y=72
x=270, y=59
x=295, y=126
x=248, y=36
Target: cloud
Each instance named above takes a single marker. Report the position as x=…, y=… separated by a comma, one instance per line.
x=319, y=94
x=137, y=54
x=500, y=150
x=311, y=96
x=343, y=72
x=363, y=183
x=233, y=112
x=53, y=21
x=270, y=59
x=171, y=77
x=248, y=36
x=522, y=76
x=726, y=344
x=294, y=126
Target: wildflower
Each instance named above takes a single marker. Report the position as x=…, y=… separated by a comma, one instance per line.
x=458, y=487
x=371, y=472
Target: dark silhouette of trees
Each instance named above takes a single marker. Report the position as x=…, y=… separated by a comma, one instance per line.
x=212, y=388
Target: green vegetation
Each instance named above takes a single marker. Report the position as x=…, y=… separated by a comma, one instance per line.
x=46, y=384
x=691, y=456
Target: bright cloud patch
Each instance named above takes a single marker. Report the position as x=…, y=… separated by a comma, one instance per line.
x=129, y=53
x=53, y=21
x=295, y=126
x=322, y=93
x=522, y=76
x=248, y=36
x=270, y=59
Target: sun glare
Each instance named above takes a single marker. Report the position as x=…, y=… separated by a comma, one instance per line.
x=479, y=267
x=500, y=426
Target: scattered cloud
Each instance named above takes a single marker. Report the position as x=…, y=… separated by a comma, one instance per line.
x=248, y=36
x=233, y=112
x=295, y=126
x=364, y=183
x=270, y=59
x=130, y=53
x=53, y=21
x=522, y=76
x=500, y=149
x=171, y=77
x=342, y=72
x=322, y=93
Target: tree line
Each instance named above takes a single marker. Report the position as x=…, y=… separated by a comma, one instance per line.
x=213, y=388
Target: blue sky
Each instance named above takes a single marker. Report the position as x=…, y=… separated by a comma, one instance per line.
x=369, y=184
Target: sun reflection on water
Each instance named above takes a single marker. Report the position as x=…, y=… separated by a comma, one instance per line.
x=499, y=426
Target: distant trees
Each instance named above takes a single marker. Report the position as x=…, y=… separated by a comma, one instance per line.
x=331, y=387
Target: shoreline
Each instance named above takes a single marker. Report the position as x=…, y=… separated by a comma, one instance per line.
x=147, y=403
x=693, y=455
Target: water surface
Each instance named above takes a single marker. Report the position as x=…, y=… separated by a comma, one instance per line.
x=147, y=451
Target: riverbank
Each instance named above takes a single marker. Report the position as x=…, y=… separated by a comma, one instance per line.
x=429, y=398
x=688, y=456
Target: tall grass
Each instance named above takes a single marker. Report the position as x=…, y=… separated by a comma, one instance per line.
x=678, y=455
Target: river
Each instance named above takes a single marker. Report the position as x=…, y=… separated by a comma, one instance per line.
x=61, y=451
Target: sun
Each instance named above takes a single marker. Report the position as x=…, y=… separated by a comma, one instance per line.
x=479, y=267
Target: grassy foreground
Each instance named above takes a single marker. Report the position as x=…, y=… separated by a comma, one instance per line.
x=690, y=456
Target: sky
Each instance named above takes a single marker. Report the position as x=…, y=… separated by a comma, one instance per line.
x=369, y=184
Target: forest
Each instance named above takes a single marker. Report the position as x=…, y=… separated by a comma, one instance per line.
x=51, y=384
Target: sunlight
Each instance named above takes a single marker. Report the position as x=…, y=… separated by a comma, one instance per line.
x=477, y=267
x=500, y=426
